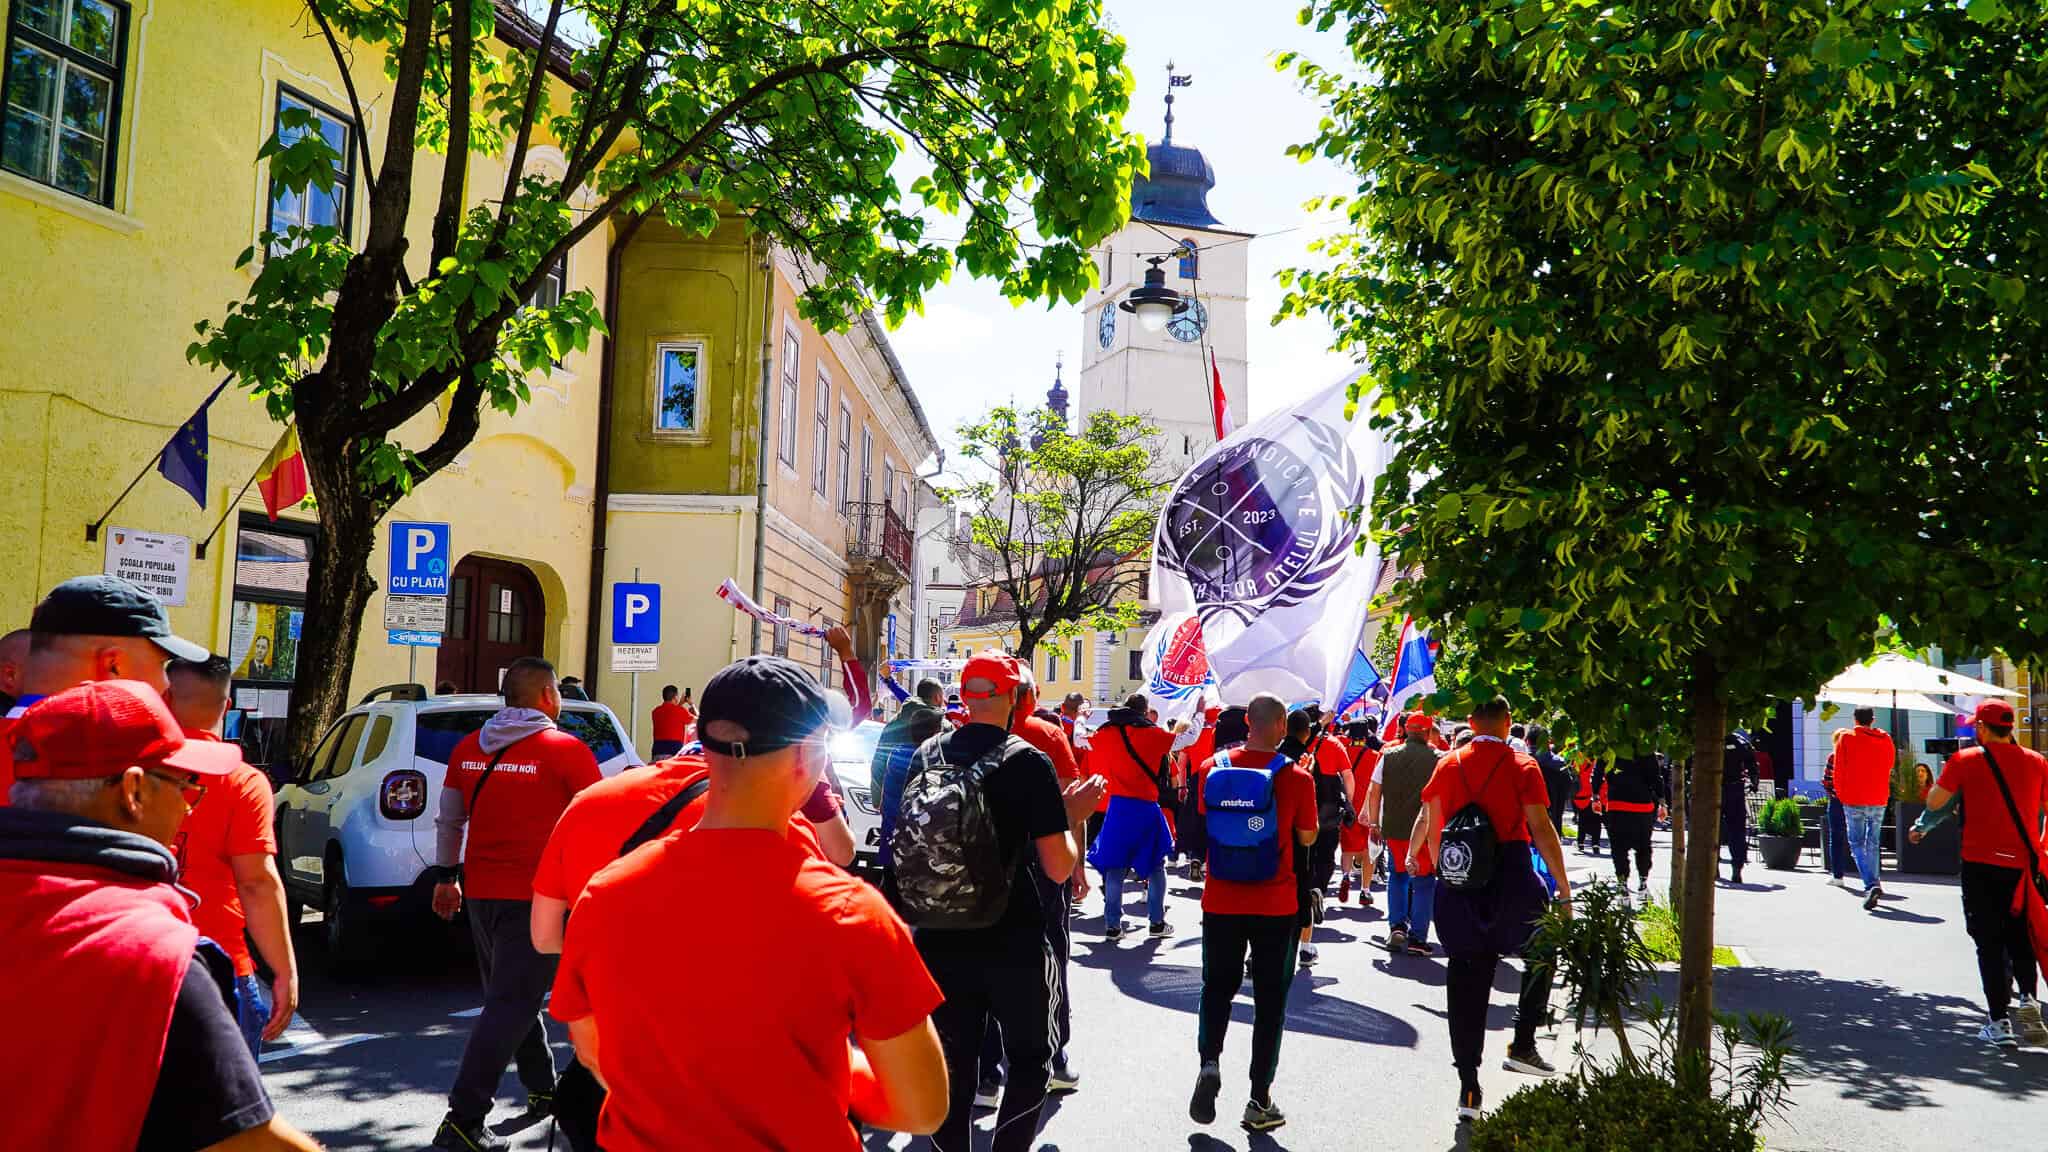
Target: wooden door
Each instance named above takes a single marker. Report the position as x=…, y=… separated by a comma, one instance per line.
x=495, y=616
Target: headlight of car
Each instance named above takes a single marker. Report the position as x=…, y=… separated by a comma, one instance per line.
x=863, y=800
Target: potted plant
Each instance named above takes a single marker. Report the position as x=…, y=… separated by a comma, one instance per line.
x=1939, y=853
x=1782, y=832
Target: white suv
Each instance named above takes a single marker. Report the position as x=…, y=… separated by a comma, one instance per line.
x=355, y=824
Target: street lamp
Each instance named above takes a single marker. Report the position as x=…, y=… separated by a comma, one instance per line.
x=1153, y=303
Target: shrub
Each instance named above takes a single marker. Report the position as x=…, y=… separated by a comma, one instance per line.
x=1602, y=1110
x=1781, y=817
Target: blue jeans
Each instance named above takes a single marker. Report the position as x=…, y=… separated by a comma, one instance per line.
x=1864, y=821
x=1835, y=841
x=1409, y=900
x=252, y=1010
x=1113, y=895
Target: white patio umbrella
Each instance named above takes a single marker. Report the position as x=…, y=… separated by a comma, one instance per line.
x=1910, y=701
x=1892, y=672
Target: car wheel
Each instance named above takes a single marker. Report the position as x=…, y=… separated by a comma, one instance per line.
x=345, y=928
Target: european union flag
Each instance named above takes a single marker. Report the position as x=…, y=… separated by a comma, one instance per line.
x=183, y=460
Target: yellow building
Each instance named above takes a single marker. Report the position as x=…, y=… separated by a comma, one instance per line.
x=716, y=373
x=127, y=234
x=1103, y=666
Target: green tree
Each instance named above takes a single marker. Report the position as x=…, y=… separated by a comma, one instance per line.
x=837, y=129
x=1059, y=522
x=1707, y=332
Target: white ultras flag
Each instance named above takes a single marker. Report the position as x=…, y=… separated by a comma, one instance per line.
x=1259, y=541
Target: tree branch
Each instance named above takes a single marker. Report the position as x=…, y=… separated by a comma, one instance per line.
x=527, y=112
x=455, y=168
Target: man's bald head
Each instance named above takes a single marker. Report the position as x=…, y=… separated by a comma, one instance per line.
x=1265, y=719
x=530, y=683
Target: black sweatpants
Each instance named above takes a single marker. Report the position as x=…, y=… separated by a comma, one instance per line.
x=516, y=982
x=1271, y=942
x=1322, y=859
x=1018, y=989
x=1468, y=986
x=1055, y=899
x=1630, y=832
x=1735, y=828
x=2004, y=954
x=1589, y=825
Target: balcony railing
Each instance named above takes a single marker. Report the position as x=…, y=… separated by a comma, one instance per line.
x=875, y=532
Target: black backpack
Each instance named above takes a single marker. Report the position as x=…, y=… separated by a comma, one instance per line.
x=949, y=864
x=1469, y=845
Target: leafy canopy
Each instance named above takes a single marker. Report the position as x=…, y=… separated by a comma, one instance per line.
x=1706, y=331
x=1059, y=522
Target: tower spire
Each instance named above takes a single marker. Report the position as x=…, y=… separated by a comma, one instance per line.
x=1174, y=80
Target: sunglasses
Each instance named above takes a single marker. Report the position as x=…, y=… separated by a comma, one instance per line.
x=188, y=787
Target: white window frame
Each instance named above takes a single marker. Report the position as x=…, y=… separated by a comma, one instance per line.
x=657, y=353
x=821, y=424
x=792, y=358
x=845, y=452
x=867, y=464
x=19, y=35
x=345, y=176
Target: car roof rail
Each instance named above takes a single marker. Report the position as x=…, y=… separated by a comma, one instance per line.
x=409, y=693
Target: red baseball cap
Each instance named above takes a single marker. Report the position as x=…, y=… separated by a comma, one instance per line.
x=105, y=728
x=1996, y=713
x=1417, y=722
x=998, y=668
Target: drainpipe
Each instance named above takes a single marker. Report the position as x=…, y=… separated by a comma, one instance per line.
x=761, y=455
x=594, y=609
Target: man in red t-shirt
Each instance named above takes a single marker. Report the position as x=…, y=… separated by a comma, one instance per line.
x=1258, y=918
x=1997, y=859
x=1480, y=925
x=671, y=724
x=508, y=783
x=227, y=857
x=1864, y=756
x=711, y=978
x=1130, y=752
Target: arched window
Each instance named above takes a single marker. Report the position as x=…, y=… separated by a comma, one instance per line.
x=1190, y=259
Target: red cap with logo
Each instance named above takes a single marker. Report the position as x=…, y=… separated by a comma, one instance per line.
x=1996, y=713
x=1418, y=722
x=105, y=728
x=998, y=668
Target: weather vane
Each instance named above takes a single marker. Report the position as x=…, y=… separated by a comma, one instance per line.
x=1174, y=80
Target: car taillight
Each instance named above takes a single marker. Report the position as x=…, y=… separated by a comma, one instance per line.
x=404, y=795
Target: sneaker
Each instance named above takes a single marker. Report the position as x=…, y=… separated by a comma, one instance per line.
x=1262, y=1117
x=1344, y=889
x=1469, y=1102
x=1397, y=940
x=988, y=1094
x=455, y=1136
x=1364, y=897
x=540, y=1103
x=1627, y=902
x=2026, y=1020
x=1113, y=932
x=1159, y=931
x=1064, y=1079
x=1643, y=894
x=1529, y=1061
x=1202, y=1109
x=1995, y=1032
x=1420, y=947
x=1308, y=956
x=1871, y=896
x=1838, y=882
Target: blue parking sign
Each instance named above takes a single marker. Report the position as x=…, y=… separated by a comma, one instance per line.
x=419, y=559
x=636, y=613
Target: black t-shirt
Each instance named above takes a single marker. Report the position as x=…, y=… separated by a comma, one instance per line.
x=208, y=1088
x=1024, y=797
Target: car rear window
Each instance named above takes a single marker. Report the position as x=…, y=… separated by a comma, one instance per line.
x=440, y=732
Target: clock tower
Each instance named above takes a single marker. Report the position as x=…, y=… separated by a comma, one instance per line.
x=1164, y=375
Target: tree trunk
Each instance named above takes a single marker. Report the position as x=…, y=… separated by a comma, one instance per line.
x=338, y=594
x=1702, y=862
x=1676, y=784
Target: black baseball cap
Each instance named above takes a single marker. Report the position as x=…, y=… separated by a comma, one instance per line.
x=775, y=703
x=110, y=606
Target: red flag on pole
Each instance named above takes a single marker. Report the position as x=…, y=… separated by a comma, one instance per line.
x=1219, y=404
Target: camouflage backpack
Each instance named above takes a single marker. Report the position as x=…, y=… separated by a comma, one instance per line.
x=950, y=869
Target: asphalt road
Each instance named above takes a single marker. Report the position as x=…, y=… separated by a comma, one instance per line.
x=1885, y=1007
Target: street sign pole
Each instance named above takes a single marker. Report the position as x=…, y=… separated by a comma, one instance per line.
x=634, y=696
x=412, y=663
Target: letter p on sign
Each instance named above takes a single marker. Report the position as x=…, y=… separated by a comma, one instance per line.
x=636, y=613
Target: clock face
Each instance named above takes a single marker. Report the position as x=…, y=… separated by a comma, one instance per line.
x=1188, y=326
x=1105, y=328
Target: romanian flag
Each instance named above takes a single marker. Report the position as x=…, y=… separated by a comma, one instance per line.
x=282, y=478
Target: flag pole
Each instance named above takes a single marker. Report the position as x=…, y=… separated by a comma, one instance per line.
x=200, y=552
x=92, y=530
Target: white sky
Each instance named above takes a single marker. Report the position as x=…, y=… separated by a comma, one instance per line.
x=972, y=349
